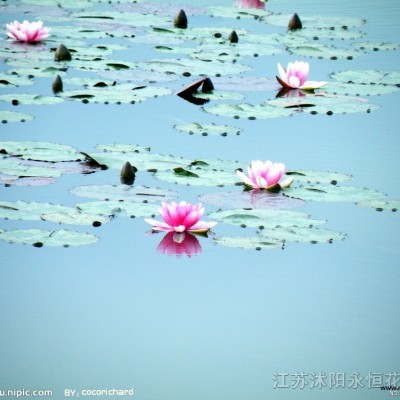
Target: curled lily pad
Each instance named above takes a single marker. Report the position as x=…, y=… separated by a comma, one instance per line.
x=196, y=128
x=55, y=238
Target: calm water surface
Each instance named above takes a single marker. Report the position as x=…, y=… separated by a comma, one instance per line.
x=218, y=325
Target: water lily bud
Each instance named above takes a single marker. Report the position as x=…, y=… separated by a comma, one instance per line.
x=233, y=37
x=127, y=174
x=181, y=21
x=295, y=22
x=57, y=85
x=62, y=54
x=208, y=86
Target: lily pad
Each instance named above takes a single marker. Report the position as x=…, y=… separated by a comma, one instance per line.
x=118, y=208
x=317, y=177
x=13, y=116
x=265, y=218
x=75, y=216
x=28, y=211
x=248, y=242
x=30, y=99
x=39, y=237
x=251, y=199
x=7, y=80
x=123, y=193
x=125, y=93
x=335, y=193
x=381, y=205
x=318, y=50
x=368, y=77
x=196, y=128
x=249, y=111
x=302, y=234
x=11, y=166
x=41, y=151
x=202, y=67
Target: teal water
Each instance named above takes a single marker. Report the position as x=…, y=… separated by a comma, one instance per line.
x=220, y=324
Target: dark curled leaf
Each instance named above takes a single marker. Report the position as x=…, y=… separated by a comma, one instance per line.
x=183, y=172
x=316, y=190
x=117, y=66
x=92, y=162
x=300, y=106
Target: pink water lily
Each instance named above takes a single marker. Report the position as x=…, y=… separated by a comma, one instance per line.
x=265, y=175
x=181, y=217
x=27, y=31
x=296, y=75
x=260, y=4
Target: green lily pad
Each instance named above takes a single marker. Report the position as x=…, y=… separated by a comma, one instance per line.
x=381, y=205
x=324, y=103
x=41, y=151
x=368, y=77
x=249, y=111
x=114, y=156
x=266, y=218
x=13, y=116
x=196, y=128
x=28, y=211
x=318, y=50
x=376, y=46
x=39, y=237
x=11, y=166
x=248, y=242
x=118, y=208
x=125, y=93
x=302, y=234
x=335, y=193
x=359, y=89
x=202, y=67
x=14, y=80
x=34, y=99
x=75, y=216
x=66, y=3
x=123, y=193
x=317, y=177
x=237, y=13
x=251, y=199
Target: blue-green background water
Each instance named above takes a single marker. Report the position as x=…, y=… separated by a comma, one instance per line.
x=218, y=325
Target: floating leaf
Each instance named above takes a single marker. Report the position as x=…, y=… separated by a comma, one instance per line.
x=30, y=211
x=75, y=216
x=251, y=199
x=266, y=218
x=335, y=193
x=123, y=193
x=13, y=116
x=193, y=66
x=41, y=151
x=248, y=242
x=369, y=77
x=117, y=208
x=381, y=205
x=35, y=99
x=318, y=50
x=14, y=80
x=249, y=111
x=208, y=129
x=318, y=176
x=39, y=237
x=11, y=166
x=302, y=234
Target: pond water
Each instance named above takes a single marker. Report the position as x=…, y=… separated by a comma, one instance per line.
x=226, y=322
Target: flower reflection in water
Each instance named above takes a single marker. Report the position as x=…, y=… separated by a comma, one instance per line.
x=259, y=4
x=179, y=244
